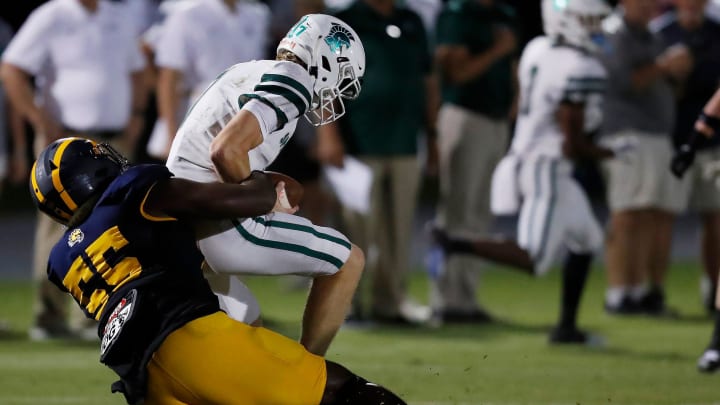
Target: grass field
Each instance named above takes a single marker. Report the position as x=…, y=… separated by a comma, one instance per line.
x=642, y=361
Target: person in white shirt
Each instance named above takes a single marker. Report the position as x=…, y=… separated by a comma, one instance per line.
x=199, y=40
x=86, y=59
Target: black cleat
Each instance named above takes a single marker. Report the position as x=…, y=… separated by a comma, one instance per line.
x=709, y=362
x=627, y=306
x=564, y=335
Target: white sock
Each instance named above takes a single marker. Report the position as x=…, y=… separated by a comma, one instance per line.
x=615, y=295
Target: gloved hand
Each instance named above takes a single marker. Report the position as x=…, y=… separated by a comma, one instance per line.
x=682, y=160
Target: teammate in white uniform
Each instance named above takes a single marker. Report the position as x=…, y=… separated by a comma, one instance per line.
x=561, y=85
x=240, y=124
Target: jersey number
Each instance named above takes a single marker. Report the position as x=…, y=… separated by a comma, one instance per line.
x=526, y=94
x=100, y=270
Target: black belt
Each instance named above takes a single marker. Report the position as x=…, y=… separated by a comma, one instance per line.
x=94, y=134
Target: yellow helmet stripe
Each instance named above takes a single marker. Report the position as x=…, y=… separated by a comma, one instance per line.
x=56, y=175
x=38, y=194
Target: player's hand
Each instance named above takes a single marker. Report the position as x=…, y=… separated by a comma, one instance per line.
x=282, y=204
x=682, y=160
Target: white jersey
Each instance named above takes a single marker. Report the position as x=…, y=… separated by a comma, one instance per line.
x=550, y=75
x=276, y=92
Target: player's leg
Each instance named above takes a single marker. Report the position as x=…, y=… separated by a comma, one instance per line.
x=234, y=296
x=710, y=359
x=278, y=244
x=217, y=360
x=711, y=254
x=583, y=237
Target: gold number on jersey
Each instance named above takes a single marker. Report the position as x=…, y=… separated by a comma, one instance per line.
x=100, y=270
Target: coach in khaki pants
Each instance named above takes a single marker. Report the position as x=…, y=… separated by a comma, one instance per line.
x=381, y=128
x=642, y=194
x=88, y=60
x=475, y=55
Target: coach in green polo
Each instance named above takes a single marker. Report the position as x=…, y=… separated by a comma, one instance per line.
x=475, y=52
x=382, y=128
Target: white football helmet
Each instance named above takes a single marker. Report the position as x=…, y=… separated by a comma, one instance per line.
x=334, y=56
x=576, y=22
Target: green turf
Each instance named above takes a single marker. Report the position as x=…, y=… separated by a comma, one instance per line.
x=643, y=361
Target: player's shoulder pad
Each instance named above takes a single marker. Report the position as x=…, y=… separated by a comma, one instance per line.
x=135, y=181
x=290, y=75
x=535, y=47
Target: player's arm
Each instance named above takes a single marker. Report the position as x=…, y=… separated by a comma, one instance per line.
x=707, y=125
x=576, y=145
x=229, y=150
x=180, y=198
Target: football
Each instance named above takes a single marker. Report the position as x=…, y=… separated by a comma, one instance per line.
x=293, y=188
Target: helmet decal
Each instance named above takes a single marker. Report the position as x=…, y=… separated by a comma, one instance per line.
x=298, y=28
x=338, y=37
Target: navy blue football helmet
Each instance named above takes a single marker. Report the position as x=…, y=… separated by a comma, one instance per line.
x=69, y=172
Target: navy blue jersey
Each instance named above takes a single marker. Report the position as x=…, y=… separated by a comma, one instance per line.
x=139, y=275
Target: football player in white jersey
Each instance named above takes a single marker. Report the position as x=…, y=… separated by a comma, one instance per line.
x=561, y=86
x=240, y=124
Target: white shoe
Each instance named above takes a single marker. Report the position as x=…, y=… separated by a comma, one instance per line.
x=414, y=312
x=709, y=361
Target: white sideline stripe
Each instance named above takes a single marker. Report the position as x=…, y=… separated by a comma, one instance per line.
x=516, y=403
x=45, y=400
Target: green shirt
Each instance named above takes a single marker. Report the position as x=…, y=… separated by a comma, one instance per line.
x=389, y=113
x=470, y=24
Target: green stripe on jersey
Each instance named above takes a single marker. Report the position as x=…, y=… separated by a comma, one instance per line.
x=281, y=117
x=286, y=93
x=303, y=228
x=291, y=247
x=269, y=77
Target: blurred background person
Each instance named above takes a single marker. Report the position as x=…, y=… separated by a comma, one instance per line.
x=198, y=41
x=381, y=128
x=688, y=25
x=475, y=55
x=14, y=166
x=85, y=57
x=643, y=197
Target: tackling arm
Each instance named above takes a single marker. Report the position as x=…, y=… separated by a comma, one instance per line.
x=180, y=198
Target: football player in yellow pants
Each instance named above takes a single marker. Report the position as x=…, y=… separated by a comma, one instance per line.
x=130, y=260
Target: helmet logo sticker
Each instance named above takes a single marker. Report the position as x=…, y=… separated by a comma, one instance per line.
x=76, y=236
x=338, y=37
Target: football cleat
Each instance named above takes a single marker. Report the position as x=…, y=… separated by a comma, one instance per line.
x=709, y=362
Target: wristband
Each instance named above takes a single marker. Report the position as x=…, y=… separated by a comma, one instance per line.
x=712, y=122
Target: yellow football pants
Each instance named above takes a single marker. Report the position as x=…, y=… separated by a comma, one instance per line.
x=216, y=360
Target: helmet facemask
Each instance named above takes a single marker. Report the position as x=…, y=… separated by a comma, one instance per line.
x=334, y=56
x=328, y=104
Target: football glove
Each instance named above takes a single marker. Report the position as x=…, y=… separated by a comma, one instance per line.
x=682, y=160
